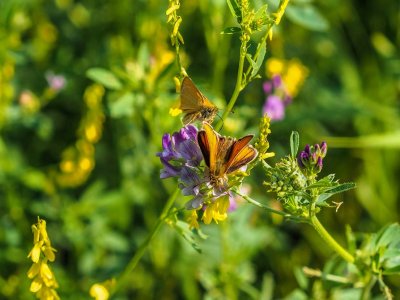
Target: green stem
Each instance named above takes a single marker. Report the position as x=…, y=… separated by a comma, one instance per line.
x=265, y=207
x=139, y=253
x=238, y=87
x=366, y=291
x=330, y=240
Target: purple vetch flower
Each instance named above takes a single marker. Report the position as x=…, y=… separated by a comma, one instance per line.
x=180, y=149
x=311, y=158
x=274, y=107
x=56, y=82
x=277, y=98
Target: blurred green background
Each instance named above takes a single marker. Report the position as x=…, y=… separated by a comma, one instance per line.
x=82, y=154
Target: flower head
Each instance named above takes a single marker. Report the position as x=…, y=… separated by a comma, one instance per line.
x=277, y=98
x=56, y=82
x=179, y=150
x=286, y=77
x=183, y=158
x=43, y=279
x=310, y=159
x=274, y=107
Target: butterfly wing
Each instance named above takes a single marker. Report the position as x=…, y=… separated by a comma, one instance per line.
x=208, y=140
x=191, y=98
x=240, y=154
x=194, y=104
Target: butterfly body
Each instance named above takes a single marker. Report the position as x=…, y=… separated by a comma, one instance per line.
x=194, y=104
x=224, y=155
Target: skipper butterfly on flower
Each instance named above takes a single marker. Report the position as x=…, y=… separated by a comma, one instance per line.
x=224, y=155
x=194, y=104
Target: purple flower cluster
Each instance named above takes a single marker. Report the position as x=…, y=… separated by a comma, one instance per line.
x=310, y=159
x=277, y=98
x=181, y=158
x=180, y=153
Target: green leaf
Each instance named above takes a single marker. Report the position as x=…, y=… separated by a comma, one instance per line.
x=342, y=187
x=307, y=16
x=387, y=235
x=332, y=191
x=259, y=60
x=183, y=229
x=104, y=77
x=123, y=107
x=262, y=15
x=267, y=288
x=144, y=55
x=235, y=10
x=231, y=30
x=294, y=143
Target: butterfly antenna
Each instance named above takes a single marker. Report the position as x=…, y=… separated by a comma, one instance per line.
x=222, y=121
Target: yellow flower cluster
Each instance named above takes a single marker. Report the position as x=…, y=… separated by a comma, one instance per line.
x=175, y=21
x=262, y=144
x=293, y=73
x=78, y=160
x=6, y=88
x=216, y=210
x=281, y=10
x=44, y=282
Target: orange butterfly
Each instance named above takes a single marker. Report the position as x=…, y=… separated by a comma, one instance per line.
x=194, y=104
x=224, y=155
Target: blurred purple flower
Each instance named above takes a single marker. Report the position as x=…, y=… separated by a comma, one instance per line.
x=274, y=107
x=55, y=82
x=277, y=98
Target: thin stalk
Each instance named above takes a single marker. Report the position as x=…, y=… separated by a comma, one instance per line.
x=139, y=253
x=366, y=291
x=265, y=207
x=238, y=86
x=330, y=240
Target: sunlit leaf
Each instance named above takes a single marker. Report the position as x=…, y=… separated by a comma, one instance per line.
x=104, y=77
x=235, y=10
x=123, y=107
x=307, y=16
x=259, y=60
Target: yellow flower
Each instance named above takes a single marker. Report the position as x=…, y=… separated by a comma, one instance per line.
x=216, y=211
x=101, y=291
x=262, y=143
x=293, y=73
x=43, y=279
x=175, y=111
x=192, y=220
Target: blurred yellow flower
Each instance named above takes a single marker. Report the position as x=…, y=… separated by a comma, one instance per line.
x=192, y=220
x=99, y=292
x=78, y=160
x=292, y=72
x=175, y=111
